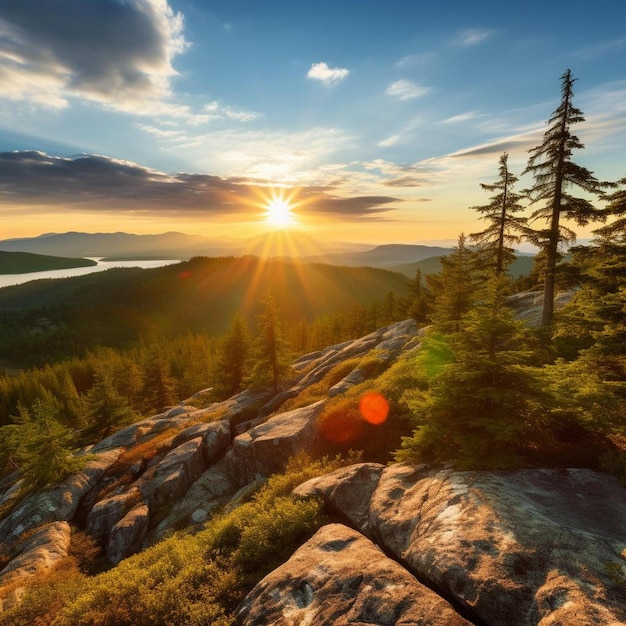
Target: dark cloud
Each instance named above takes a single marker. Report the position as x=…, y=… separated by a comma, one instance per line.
x=115, y=51
x=101, y=184
x=404, y=181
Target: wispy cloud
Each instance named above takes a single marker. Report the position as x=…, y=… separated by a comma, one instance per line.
x=219, y=111
x=327, y=75
x=406, y=90
x=390, y=141
x=471, y=37
x=601, y=49
x=411, y=60
x=118, y=54
x=463, y=117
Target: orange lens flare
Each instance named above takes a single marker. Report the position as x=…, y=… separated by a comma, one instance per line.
x=374, y=408
x=341, y=427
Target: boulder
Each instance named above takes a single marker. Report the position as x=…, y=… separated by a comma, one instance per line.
x=128, y=534
x=59, y=503
x=40, y=551
x=339, y=578
x=106, y=513
x=265, y=449
x=346, y=492
x=216, y=438
x=514, y=548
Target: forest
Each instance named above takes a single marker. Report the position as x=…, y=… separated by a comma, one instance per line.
x=484, y=391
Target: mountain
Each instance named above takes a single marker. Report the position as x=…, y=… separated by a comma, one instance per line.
x=24, y=262
x=174, y=245
x=75, y=244
x=521, y=266
x=387, y=255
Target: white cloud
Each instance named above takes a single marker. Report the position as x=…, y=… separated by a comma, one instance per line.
x=218, y=112
x=117, y=53
x=389, y=141
x=472, y=37
x=406, y=90
x=328, y=75
x=463, y=117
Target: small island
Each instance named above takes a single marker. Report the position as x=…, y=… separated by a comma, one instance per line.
x=25, y=262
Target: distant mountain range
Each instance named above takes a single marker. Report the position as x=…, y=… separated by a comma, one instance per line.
x=404, y=258
x=294, y=244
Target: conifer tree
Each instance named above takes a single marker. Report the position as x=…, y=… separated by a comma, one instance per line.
x=554, y=171
x=269, y=349
x=455, y=287
x=43, y=448
x=105, y=409
x=159, y=386
x=504, y=225
x=233, y=359
x=416, y=304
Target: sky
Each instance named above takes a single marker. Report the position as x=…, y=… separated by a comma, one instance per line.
x=374, y=121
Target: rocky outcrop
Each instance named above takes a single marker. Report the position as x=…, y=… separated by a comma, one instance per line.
x=128, y=534
x=338, y=578
x=510, y=548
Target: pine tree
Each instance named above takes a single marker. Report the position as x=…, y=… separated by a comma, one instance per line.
x=269, y=349
x=159, y=386
x=496, y=240
x=44, y=448
x=105, y=409
x=416, y=304
x=233, y=359
x=481, y=409
x=554, y=171
x=455, y=287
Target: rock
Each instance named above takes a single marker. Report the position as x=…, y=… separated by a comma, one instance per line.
x=347, y=492
x=514, y=548
x=169, y=480
x=128, y=534
x=40, y=551
x=59, y=503
x=105, y=514
x=216, y=438
x=265, y=449
x=338, y=578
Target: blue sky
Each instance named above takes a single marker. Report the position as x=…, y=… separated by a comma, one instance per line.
x=382, y=117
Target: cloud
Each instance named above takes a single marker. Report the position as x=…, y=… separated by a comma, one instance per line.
x=100, y=184
x=327, y=75
x=115, y=52
x=389, y=141
x=406, y=90
x=411, y=60
x=220, y=112
x=463, y=117
x=472, y=37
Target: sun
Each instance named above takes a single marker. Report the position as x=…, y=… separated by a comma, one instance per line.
x=279, y=212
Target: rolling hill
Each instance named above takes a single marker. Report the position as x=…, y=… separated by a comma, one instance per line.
x=25, y=262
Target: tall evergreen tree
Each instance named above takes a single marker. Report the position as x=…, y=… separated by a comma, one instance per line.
x=554, y=171
x=416, y=304
x=504, y=225
x=269, y=350
x=455, y=287
x=233, y=359
x=105, y=409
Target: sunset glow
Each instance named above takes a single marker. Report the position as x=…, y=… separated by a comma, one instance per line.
x=279, y=212
x=230, y=119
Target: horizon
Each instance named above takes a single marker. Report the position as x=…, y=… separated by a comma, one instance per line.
x=230, y=119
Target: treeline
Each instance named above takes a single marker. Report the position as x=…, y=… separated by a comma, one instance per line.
x=159, y=372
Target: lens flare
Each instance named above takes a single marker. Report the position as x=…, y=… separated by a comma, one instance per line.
x=374, y=408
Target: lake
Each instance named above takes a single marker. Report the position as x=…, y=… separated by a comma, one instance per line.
x=6, y=280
